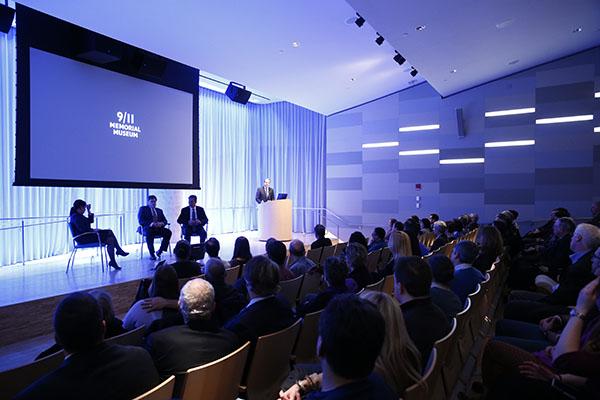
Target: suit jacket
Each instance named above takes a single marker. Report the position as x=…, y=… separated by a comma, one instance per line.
x=556, y=253
x=184, y=216
x=572, y=280
x=229, y=301
x=261, y=318
x=145, y=217
x=322, y=242
x=262, y=196
x=104, y=372
x=439, y=242
x=81, y=224
x=178, y=348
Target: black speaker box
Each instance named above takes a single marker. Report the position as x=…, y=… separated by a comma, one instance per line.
x=460, y=125
x=149, y=65
x=7, y=15
x=99, y=50
x=238, y=93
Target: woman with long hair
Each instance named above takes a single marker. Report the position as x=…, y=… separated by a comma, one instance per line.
x=490, y=247
x=399, y=245
x=241, y=252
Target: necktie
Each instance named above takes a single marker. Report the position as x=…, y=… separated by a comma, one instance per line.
x=193, y=214
x=154, y=216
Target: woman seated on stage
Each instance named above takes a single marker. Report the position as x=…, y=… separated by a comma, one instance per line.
x=81, y=224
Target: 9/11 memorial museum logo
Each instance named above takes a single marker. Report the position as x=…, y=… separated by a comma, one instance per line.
x=125, y=125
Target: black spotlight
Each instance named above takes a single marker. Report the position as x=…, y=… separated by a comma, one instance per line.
x=413, y=72
x=359, y=21
x=379, y=39
x=398, y=58
x=7, y=15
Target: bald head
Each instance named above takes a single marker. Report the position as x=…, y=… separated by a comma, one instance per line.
x=297, y=248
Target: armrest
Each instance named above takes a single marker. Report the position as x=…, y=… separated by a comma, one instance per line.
x=87, y=233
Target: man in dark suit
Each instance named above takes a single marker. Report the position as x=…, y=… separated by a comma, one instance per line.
x=192, y=220
x=92, y=369
x=265, y=313
x=153, y=223
x=200, y=341
x=265, y=192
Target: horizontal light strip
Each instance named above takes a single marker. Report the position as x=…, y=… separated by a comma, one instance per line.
x=558, y=120
x=463, y=161
x=597, y=129
x=381, y=144
x=419, y=128
x=597, y=95
x=418, y=152
x=514, y=111
x=511, y=143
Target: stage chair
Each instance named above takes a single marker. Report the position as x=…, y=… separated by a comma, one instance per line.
x=140, y=230
x=305, y=351
x=310, y=284
x=76, y=246
x=14, y=380
x=218, y=380
x=134, y=337
x=290, y=289
x=270, y=364
x=339, y=248
x=164, y=391
x=328, y=251
x=232, y=274
x=377, y=286
x=429, y=386
x=444, y=348
x=195, y=234
x=314, y=255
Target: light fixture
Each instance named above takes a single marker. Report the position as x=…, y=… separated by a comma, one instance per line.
x=597, y=129
x=514, y=111
x=379, y=39
x=413, y=72
x=597, y=95
x=558, y=120
x=511, y=143
x=418, y=152
x=399, y=59
x=421, y=28
x=513, y=62
x=463, y=161
x=295, y=44
x=419, y=128
x=578, y=29
x=379, y=145
x=359, y=21
x=453, y=71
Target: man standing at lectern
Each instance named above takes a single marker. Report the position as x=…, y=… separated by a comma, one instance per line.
x=265, y=193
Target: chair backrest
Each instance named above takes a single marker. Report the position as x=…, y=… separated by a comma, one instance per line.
x=306, y=347
x=328, y=251
x=425, y=388
x=133, y=337
x=183, y=281
x=388, y=285
x=232, y=274
x=164, y=391
x=373, y=260
x=14, y=380
x=218, y=380
x=269, y=365
x=290, y=289
x=443, y=345
x=377, y=286
x=314, y=255
x=339, y=248
x=310, y=284
x=385, y=257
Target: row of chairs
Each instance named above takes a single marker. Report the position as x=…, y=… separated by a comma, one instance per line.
x=318, y=256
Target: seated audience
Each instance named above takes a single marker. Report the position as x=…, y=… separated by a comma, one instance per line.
x=490, y=245
x=356, y=260
x=434, y=218
x=335, y=275
x=321, y=241
x=358, y=237
x=377, y=240
x=442, y=271
x=391, y=228
x=439, y=230
x=534, y=306
x=544, y=232
x=473, y=222
x=213, y=247
x=91, y=369
x=184, y=267
x=556, y=254
x=595, y=210
x=351, y=336
x=200, y=341
x=511, y=237
x=411, y=228
x=399, y=226
x=399, y=245
x=265, y=313
x=298, y=264
x=426, y=226
x=241, y=252
x=425, y=322
x=165, y=286
x=466, y=277
x=229, y=300
x=277, y=253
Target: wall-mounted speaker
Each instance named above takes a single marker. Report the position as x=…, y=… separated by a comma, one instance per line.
x=149, y=65
x=99, y=49
x=7, y=15
x=460, y=125
x=238, y=93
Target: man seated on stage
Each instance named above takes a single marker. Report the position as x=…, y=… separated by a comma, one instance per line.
x=153, y=222
x=265, y=193
x=192, y=220
x=92, y=369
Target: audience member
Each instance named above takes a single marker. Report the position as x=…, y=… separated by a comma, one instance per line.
x=466, y=277
x=321, y=241
x=391, y=228
x=358, y=237
x=335, y=275
x=434, y=218
x=426, y=226
x=425, y=322
x=213, y=247
x=91, y=369
x=399, y=245
x=412, y=228
x=298, y=263
x=544, y=232
x=490, y=245
x=200, y=341
x=229, y=301
x=241, y=252
x=266, y=313
x=277, y=252
x=377, y=240
x=442, y=271
x=399, y=226
x=439, y=230
x=356, y=260
x=184, y=267
x=473, y=222
x=595, y=211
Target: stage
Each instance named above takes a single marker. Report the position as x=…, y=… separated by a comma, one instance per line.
x=31, y=292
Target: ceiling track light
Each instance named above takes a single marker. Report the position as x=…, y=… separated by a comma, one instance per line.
x=379, y=39
x=399, y=59
x=413, y=72
x=359, y=21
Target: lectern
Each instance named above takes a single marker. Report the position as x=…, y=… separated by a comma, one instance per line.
x=275, y=220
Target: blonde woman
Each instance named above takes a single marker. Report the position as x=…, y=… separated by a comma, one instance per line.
x=399, y=362
x=399, y=245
